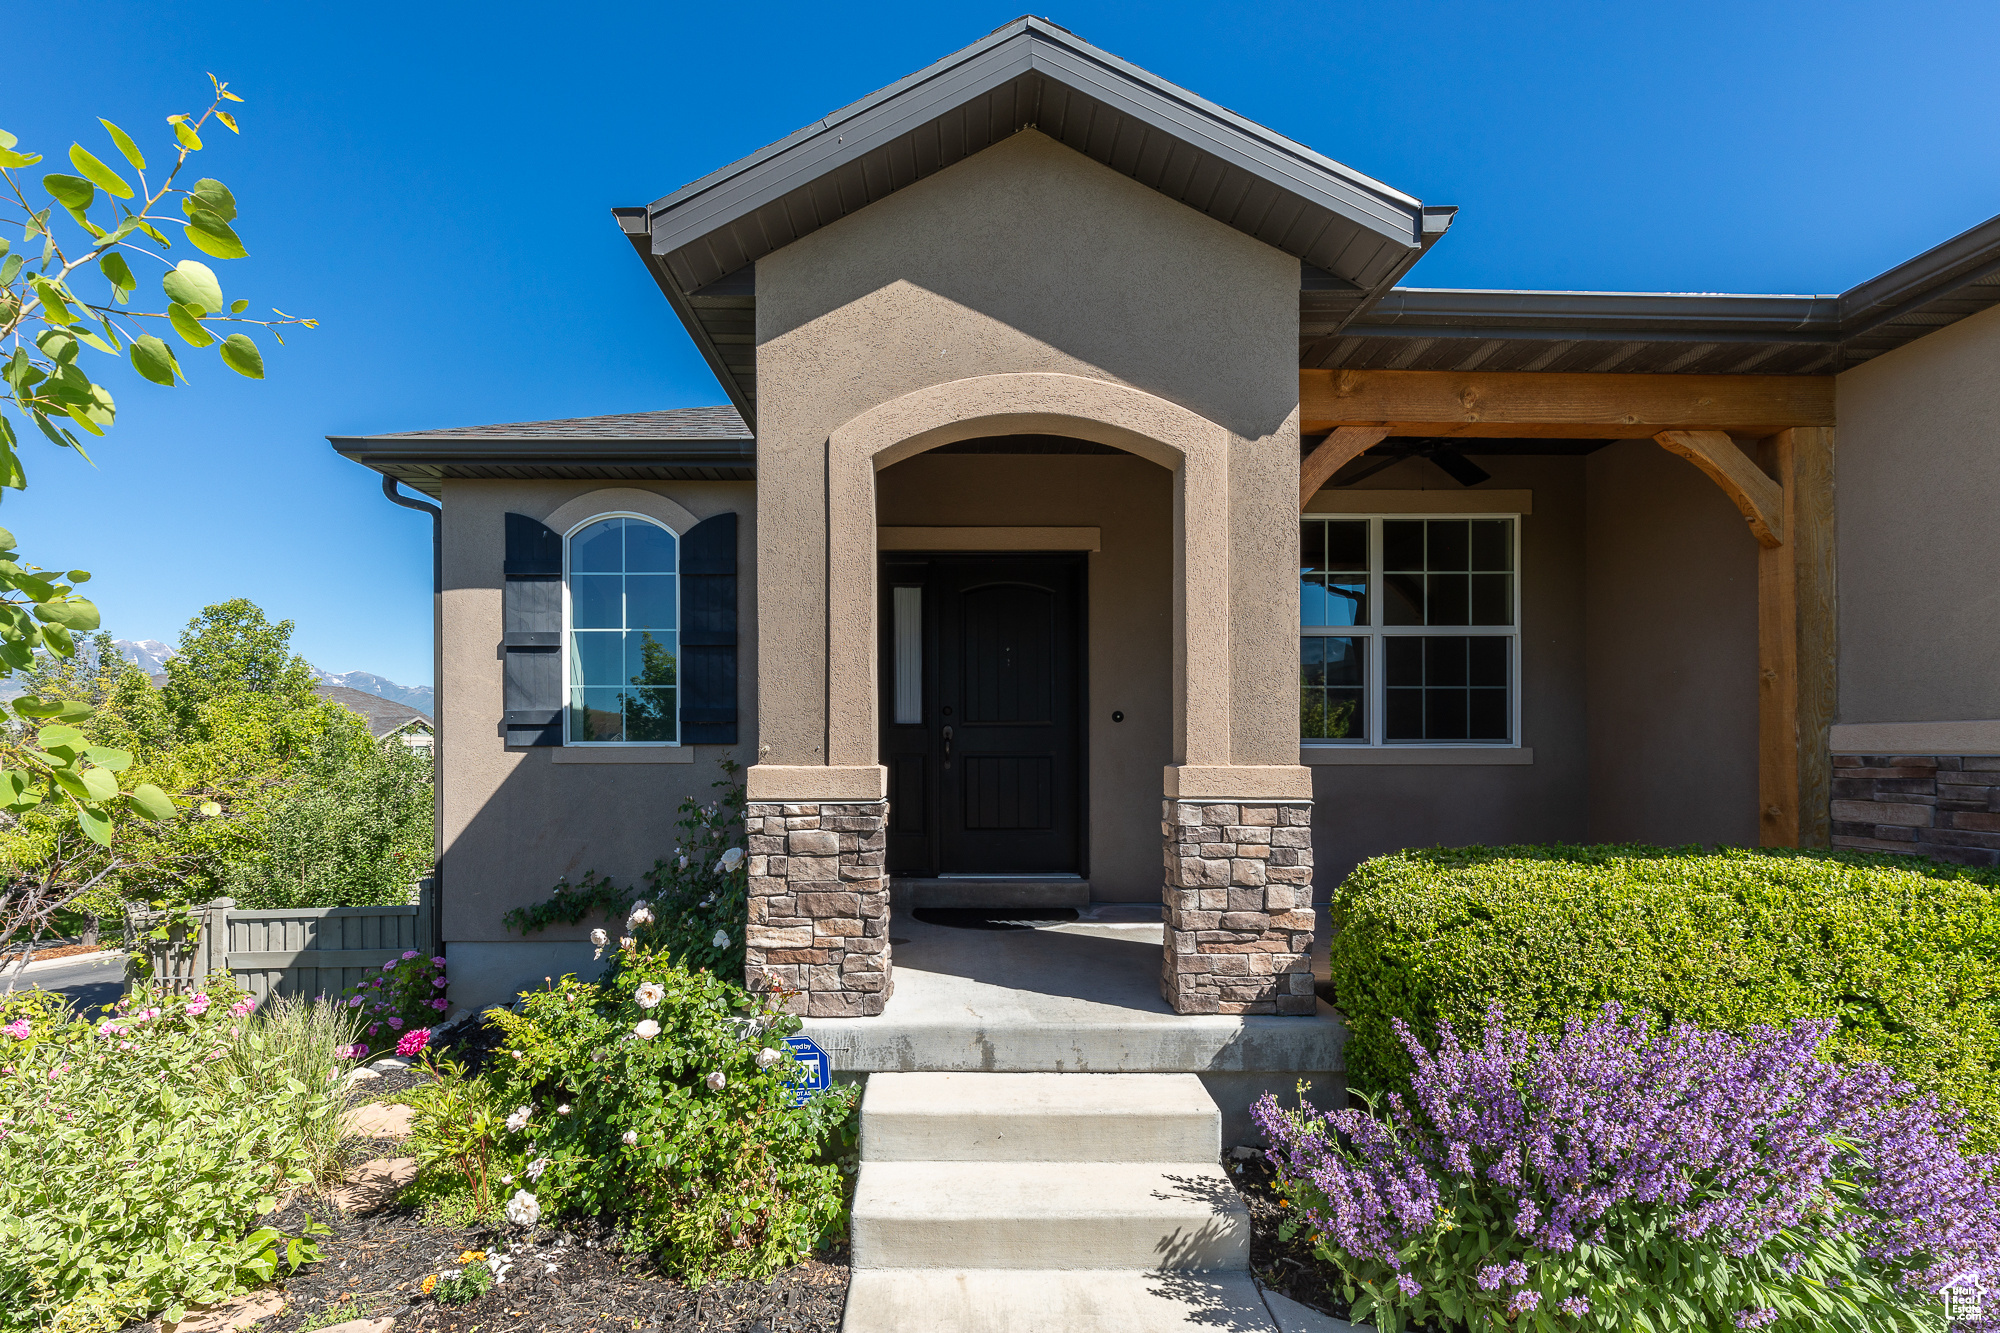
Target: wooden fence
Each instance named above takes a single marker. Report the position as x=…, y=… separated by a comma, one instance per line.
x=290, y=950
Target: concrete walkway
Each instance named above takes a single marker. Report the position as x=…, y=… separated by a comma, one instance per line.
x=1075, y=997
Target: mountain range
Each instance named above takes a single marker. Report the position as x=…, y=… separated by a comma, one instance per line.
x=150, y=655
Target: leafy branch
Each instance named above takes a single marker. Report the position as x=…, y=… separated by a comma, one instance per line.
x=44, y=327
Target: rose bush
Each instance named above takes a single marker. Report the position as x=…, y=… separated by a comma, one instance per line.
x=660, y=1099
x=137, y=1155
x=1618, y=1178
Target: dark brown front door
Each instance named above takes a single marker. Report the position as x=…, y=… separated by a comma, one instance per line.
x=982, y=684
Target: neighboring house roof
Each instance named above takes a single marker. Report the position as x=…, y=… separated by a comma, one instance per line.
x=683, y=444
x=385, y=717
x=1354, y=235
x=1690, y=333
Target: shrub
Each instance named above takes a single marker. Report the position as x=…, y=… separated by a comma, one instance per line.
x=700, y=894
x=1612, y=1178
x=1902, y=955
x=660, y=1099
x=407, y=993
x=137, y=1156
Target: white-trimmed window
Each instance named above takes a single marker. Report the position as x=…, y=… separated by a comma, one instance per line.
x=1409, y=629
x=621, y=631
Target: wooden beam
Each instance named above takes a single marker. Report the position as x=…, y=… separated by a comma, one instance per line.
x=1333, y=453
x=1524, y=404
x=1756, y=496
x=1796, y=625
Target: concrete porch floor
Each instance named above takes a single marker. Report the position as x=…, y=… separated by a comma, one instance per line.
x=1075, y=997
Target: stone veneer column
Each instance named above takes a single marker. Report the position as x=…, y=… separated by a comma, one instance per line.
x=1239, y=921
x=819, y=905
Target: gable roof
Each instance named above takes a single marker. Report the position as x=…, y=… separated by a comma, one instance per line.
x=1355, y=235
x=385, y=717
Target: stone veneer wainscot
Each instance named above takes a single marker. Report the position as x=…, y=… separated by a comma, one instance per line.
x=819, y=905
x=1943, y=806
x=1239, y=920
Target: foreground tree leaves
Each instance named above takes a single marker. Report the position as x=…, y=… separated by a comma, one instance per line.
x=46, y=326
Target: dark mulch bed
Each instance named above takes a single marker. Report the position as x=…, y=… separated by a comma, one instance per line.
x=1286, y=1267
x=374, y=1266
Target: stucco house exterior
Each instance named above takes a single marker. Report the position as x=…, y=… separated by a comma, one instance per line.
x=1097, y=517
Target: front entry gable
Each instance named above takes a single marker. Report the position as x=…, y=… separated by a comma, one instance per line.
x=1355, y=237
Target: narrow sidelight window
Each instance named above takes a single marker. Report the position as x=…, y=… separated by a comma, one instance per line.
x=908, y=609
x=1409, y=630
x=623, y=620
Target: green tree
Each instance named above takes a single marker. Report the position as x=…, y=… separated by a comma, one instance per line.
x=48, y=320
x=232, y=648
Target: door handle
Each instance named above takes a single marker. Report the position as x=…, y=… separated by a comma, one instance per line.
x=947, y=746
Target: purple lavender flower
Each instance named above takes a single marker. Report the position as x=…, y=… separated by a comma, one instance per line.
x=1409, y=1286
x=1574, y=1305
x=1756, y=1318
x=1732, y=1141
x=1523, y=1302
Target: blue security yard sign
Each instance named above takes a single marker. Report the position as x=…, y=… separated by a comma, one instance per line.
x=818, y=1069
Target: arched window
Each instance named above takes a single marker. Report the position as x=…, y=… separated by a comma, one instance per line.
x=623, y=632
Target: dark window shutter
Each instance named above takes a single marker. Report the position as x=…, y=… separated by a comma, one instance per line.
x=531, y=621
x=708, y=632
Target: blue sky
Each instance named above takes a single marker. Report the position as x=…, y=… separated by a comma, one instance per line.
x=433, y=182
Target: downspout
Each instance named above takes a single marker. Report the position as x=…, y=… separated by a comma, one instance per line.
x=435, y=942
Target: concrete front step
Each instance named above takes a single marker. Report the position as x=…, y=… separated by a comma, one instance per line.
x=1039, y=1118
x=1068, y=1215
x=1017, y=1301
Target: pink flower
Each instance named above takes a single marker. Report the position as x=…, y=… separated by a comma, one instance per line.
x=107, y=1028
x=440, y=1004
x=439, y=982
x=413, y=1041
x=18, y=1029
x=353, y=1002
x=395, y=1022
x=389, y=966
x=409, y=954
x=439, y=961
x=374, y=1028
x=354, y=1052
x=242, y=1008
x=123, y=1046
x=198, y=1005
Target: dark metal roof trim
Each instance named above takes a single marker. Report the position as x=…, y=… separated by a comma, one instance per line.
x=1705, y=333
x=684, y=444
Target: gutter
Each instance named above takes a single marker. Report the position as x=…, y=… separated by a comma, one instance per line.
x=389, y=491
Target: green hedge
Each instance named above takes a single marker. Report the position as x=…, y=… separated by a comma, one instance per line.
x=1904, y=953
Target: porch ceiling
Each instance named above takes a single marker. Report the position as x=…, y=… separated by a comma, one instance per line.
x=1353, y=235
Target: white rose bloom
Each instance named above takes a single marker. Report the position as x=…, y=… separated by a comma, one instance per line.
x=599, y=941
x=506, y=1180
x=563, y=1109
x=536, y=1167
x=523, y=1210
x=650, y=994
x=646, y=1029
x=729, y=860
x=721, y=940
x=626, y=941
x=684, y=861
x=769, y=1056
x=641, y=916
x=717, y=1081
x=631, y=1138
x=519, y=1120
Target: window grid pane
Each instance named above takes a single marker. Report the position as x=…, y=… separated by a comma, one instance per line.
x=624, y=640
x=1452, y=689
